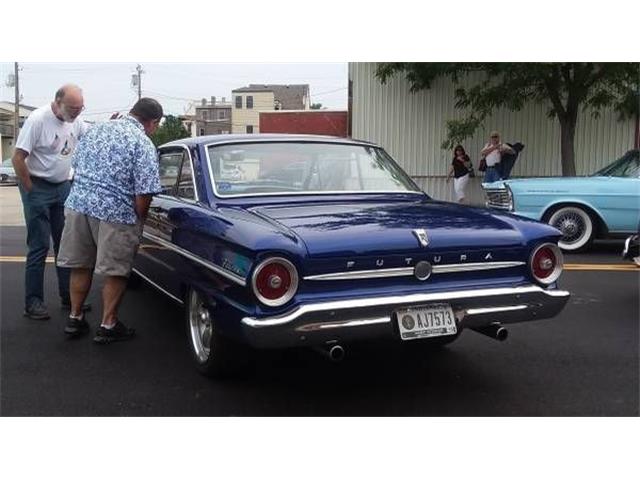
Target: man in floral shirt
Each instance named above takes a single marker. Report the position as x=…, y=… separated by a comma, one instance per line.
x=116, y=176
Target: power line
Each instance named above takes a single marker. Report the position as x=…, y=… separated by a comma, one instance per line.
x=172, y=97
x=330, y=91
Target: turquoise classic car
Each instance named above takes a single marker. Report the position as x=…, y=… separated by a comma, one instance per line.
x=603, y=205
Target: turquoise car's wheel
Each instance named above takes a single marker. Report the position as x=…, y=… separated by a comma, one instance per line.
x=576, y=226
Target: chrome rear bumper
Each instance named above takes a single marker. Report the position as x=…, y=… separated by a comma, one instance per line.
x=368, y=318
x=626, y=252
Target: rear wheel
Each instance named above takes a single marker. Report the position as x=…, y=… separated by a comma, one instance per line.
x=576, y=225
x=214, y=354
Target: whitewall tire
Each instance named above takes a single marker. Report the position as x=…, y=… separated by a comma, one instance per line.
x=576, y=226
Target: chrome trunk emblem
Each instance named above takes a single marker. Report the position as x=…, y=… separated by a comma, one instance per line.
x=421, y=235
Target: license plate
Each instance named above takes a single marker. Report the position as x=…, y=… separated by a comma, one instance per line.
x=425, y=322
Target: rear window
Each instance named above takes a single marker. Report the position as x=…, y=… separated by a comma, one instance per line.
x=289, y=167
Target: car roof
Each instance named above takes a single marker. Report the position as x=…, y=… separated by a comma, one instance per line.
x=260, y=137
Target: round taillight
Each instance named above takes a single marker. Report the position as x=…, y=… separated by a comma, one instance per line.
x=275, y=281
x=546, y=263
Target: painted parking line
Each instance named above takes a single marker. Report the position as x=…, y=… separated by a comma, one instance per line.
x=609, y=267
x=9, y=259
x=620, y=267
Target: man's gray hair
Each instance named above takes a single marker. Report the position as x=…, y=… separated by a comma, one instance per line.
x=62, y=91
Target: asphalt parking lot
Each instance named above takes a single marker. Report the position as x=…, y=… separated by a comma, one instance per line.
x=583, y=362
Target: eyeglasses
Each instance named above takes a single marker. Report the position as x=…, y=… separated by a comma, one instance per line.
x=74, y=109
x=69, y=108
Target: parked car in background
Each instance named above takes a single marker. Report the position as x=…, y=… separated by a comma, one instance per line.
x=7, y=173
x=277, y=241
x=605, y=204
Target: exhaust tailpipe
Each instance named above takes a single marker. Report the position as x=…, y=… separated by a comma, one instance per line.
x=334, y=352
x=495, y=331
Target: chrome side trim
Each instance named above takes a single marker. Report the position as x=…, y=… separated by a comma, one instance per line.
x=303, y=139
x=473, y=267
x=627, y=243
x=395, y=300
x=408, y=271
x=362, y=274
x=482, y=311
x=154, y=284
x=201, y=261
x=316, y=327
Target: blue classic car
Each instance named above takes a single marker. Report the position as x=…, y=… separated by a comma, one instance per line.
x=605, y=204
x=275, y=241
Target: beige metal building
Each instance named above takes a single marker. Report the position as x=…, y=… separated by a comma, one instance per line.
x=412, y=126
x=249, y=101
x=7, y=142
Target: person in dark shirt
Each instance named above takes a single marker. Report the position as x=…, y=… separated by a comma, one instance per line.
x=460, y=170
x=509, y=159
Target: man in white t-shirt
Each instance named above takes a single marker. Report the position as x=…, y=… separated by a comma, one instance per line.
x=42, y=161
x=492, y=152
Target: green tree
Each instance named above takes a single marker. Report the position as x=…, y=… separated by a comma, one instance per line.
x=565, y=88
x=171, y=129
x=316, y=106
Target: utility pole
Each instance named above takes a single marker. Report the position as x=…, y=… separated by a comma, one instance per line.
x=136, y=80
x=16, y=107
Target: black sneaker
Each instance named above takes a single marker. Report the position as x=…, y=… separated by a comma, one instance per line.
x=37, y=311
x=65, y=304
x=118, y=333
x=76, y=327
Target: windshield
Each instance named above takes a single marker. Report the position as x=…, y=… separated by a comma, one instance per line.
x=7, y=163
x=290, y=167
x=626, y=166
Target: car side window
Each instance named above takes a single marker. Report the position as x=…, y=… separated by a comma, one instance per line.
x=186, y=182
x=169, y=169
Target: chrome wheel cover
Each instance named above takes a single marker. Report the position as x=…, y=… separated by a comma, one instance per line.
x=200, y=327
x=576, y=227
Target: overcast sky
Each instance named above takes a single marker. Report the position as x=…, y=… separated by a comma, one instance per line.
x=107, y=86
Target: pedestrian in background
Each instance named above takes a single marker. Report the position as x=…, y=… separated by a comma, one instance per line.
x=461, y=169
x=508, y=160
x=116, y=176
x=492, y=153
x=42, y=161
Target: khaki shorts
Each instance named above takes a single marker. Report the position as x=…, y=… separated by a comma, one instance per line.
x=108, y=248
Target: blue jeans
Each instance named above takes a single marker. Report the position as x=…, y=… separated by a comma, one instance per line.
x=491, y=175
x=44, y=216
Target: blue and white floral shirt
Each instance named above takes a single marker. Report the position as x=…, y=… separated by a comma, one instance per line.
x=113, y=162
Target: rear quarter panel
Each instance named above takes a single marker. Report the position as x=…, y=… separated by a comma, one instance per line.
x=614, y=200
